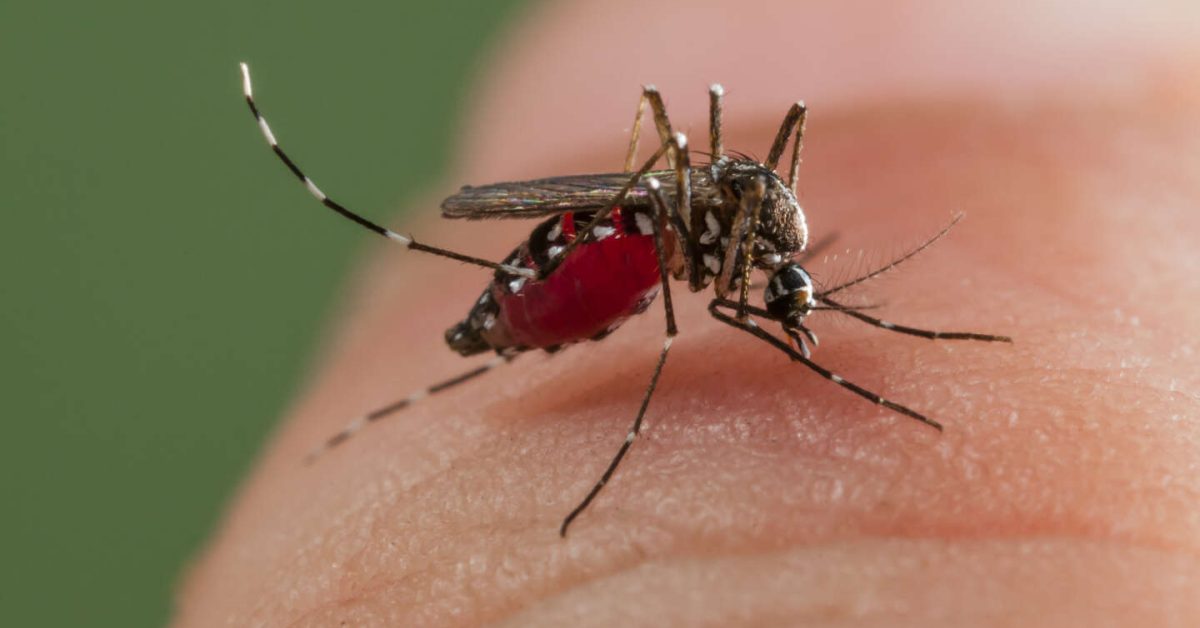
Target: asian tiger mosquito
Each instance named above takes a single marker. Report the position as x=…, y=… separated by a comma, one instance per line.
x=625, y=235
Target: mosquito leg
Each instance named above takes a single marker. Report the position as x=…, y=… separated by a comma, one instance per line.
x=406, y=241
x=750, y=309
x=629, y=438
x=741, y=238
x=750, y=327
x=761, y=313
x=661, y=214
x=797, y=144
x=683, y=177
x=716, y=146
x=914, y=331
x=793, y=120
x=635, y=136
x=357, y=424
x=661, y=122
x=754, y=196
x=661, y=210
x=672, y=144
x=682, y=214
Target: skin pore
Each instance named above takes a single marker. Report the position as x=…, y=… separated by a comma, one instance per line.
x=1063, y=491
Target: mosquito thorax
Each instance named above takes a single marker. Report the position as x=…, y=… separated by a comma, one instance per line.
x=789, y=294
x=782, y=229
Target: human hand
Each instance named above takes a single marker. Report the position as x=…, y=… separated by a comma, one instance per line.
x=1064, y=489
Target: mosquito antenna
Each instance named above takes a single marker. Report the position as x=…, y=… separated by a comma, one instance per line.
x=406, y=241
x=896, y=262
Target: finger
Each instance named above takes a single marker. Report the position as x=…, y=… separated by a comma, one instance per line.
x=1061, y=451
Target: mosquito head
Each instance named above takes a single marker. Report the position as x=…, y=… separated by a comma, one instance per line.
x=790, y=294
x=782, y=230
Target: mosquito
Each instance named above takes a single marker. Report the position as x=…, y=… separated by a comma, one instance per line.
x=623, y=237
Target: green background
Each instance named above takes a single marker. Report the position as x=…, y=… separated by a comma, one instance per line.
x=162, y=279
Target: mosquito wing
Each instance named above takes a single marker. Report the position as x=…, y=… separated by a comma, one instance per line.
x=545, y=197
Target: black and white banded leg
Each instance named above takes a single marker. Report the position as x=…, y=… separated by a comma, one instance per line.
x=661, y=211
x=358, y=424
x=749, y=326
x=405, y=240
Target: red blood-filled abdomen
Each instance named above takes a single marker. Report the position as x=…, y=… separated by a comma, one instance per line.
x=591, y=292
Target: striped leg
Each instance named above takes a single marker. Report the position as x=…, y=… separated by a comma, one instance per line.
x=357, y=424
x=661, y=212
x=750, y=327
x=634, y=430
x=406, y=241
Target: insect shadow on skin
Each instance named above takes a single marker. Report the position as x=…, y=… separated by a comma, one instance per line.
x=624, y=236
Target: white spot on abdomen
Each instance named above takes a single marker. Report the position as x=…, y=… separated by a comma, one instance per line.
x=603, y=232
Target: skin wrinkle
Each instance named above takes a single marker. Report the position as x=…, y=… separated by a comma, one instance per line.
x=636, y=562
x=695, y=564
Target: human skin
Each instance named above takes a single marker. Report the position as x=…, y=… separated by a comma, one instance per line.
x=1063, y=490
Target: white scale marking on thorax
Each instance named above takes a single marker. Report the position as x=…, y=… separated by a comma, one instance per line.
x=713, y=231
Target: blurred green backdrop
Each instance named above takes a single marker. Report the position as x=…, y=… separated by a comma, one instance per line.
x=162, y=279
